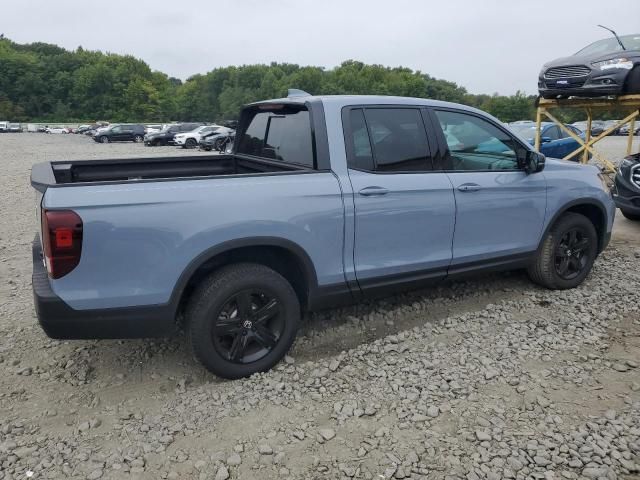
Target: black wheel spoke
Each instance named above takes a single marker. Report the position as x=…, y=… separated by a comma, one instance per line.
x=243, y=302
x=573, y=238
x=581, y=245
x=227, y=327
x=563, y=266
x=264, y=337
x=238, y=346
x=270, y=310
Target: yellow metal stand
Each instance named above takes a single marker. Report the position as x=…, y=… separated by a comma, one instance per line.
x=591, y=105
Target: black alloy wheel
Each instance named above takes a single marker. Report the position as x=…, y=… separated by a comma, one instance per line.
x=248, y=326
x=242, y=319
x=572, y=253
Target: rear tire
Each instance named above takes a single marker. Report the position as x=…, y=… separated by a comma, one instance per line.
x=242, y=319
x=629, y=215
x=138, y=138
x=632, y=84
x=567, y=253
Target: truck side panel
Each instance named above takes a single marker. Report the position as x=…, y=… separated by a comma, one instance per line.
x=140, y=237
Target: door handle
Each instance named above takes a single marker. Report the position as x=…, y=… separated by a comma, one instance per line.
x=469, y=187
x=373, y=191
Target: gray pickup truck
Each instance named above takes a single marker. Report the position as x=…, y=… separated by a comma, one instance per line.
x=324, y=201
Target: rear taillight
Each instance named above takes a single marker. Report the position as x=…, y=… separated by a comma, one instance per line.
x=61, y=241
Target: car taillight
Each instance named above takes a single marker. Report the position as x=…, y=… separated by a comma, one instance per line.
x=61, y=241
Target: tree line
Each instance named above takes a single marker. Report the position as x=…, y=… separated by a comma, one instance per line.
x=41, y=82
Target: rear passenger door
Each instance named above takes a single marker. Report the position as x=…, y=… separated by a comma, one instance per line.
x=404, y=211
x=499, y=207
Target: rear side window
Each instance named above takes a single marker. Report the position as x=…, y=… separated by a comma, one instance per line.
x=388, y=140
x=283, y=134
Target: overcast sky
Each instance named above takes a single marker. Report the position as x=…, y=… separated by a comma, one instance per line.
x=486, y=46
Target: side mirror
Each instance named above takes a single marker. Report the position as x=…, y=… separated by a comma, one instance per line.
x=545, y=139
x=534, y=162
x=531, y=161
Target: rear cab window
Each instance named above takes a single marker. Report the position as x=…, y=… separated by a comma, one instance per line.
x=279, y=132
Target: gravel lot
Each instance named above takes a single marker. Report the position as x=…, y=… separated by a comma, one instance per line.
x=490, y=378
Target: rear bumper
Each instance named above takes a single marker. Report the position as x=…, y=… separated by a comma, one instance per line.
x=59, y=320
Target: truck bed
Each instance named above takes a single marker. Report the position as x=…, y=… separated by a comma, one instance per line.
x=51, y=174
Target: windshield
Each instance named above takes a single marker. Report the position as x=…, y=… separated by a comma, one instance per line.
x=630, y=42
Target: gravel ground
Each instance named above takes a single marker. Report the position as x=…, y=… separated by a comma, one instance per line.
x=489, y=378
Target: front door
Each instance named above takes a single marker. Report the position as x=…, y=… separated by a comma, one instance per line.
x=500, y=208
x=404, y=211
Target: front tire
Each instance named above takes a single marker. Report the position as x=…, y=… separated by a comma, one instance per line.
x=632, y=84
x=567, y=253
x=104, y=139
x=242, y=319
x=190, y=143
x=138, y=138
x=629, y=215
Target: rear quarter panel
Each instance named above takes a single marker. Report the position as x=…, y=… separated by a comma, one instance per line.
x=140, y=237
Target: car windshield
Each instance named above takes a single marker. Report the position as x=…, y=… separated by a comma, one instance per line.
x=630, y=42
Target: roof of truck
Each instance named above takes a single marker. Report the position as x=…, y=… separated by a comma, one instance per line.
x=345, y=100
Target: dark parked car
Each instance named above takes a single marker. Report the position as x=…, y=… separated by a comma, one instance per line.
x=217, y=140
x=167, y=134
x=597, y=127
x=624, y=130
x=607, y=67
x=554, y=142
x=627, y=189
x=123, y=132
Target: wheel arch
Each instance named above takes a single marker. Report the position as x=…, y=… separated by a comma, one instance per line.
x=284, y=256
x=591, y=208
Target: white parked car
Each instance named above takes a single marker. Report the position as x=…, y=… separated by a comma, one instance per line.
x=192, y=138
x=56, y=130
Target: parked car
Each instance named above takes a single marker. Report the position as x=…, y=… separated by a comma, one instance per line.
x=607, y=124
x=301, y=218
x=15, y=128
x=155, y=128
x=624, y=129
x=554, y=142
x=217, y=140
x=4, y=127
x=123, y=132
x=166, y=136
x=627, y=187
x=56, y=130
x=32, y=128
x=83, y=128
x=607, y=67
x=597, y=127
x=192, y=138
